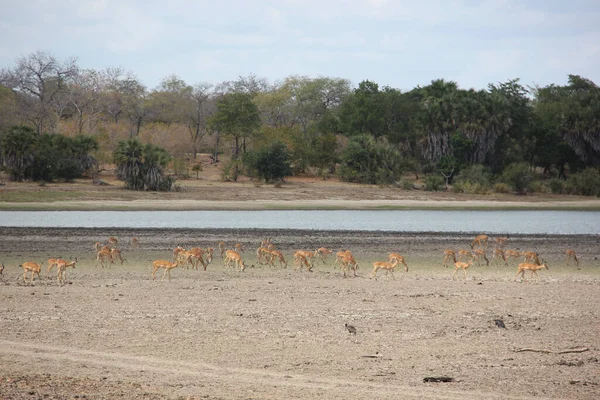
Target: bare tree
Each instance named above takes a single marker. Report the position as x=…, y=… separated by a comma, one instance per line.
x=38, y=79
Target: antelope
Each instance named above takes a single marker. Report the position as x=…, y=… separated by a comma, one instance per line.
x=198, y=253
x=222, y=248
x=1, y=268
x=571, y=254
x=61, y=267
x=481, y=240
x=32, y=267
x=387, y=266
x=400, y=258
x=300, y=260
x=478, y=254
x=167, y=265
x=97, y=246
x=116, y=253
x=135, y=243
x=239, y=248
x=530, y=267
x=51, y=264
x=104, y=254
x=498, y=253
x=233, y=257
x=349, y=261
x=263, y=255
x=277, y=254
x=322, y=253
x=500, y=242
x=339, y=256
x=461, y=265
x=308, y=256
x=113, y=240
x=449, y=254
x=464, y=254
x=508, y=254
x=176, y=251
x=531, y=256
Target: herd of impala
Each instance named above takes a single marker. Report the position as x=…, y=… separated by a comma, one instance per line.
x=267, y=254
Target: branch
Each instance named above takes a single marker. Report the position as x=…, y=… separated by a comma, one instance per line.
x=582, y=350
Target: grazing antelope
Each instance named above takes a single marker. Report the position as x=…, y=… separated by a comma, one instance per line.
x=478, y=254
x=233, y=257
x=461, y=265
x=531, y=256
x=464, y=254
x=103, y=255
x=481, y=240
x=276, y=254
x=508, y=254
x=116, y=253
x=499, y=254
x=400, y=258
x=386, y=266
x=198, y=253
x=500, y=242
x=571, y=254
x=322, y=253
x=51, y=264
x=530, y=267
x=61, y=267
x=449, y=255
x=300, y=260
x=348, y=261
x=263, y=255
x=340, y=255
x=167, y=265
x=33, y=268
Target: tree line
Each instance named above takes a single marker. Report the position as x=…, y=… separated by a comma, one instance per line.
x=476, y=140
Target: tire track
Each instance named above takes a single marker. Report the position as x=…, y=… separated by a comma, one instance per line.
x=235, y=376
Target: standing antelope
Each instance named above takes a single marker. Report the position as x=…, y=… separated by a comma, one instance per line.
x=386, y=266
x=113, y=240
x=104, y=254
x=168, y=266
x=322, y=253
x=478, y=254
x=349, y=261
x=461, y=265
x=449, y=255
x=300, y=260
x=400, y=258
x=61, y=267
x=222, y=248
x=481, y=240
x=51, y=264
x=530, y=267
x=499, y=254
x=571, y=254
x=33, y=268
x=276, y=254
x=116, y=253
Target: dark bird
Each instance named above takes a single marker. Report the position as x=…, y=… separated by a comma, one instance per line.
x=500, y=323
x=350, y=329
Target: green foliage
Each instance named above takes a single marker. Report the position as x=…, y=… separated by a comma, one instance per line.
x=18, y=152
x=197, y=168
x=475, y=180
x=273, y=162
x=231, y=171
x=501, y=188
x=141, y=167
x=434, y=183
x=519, y=176
x=585, y=183
x=366, y=160
x=406, y=185
x=557, y=185
x=180, y=167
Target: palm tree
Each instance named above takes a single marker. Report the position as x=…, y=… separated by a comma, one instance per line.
x=129, y=159
x=18, y=151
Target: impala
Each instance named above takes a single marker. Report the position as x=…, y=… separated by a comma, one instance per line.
x=571, y=254
x=478, y=254
x=508, y=254
x=116, y=253
x=399, y=258
x=461, y=265
x=233, y=257
x=167, y=265
x=113, y=240
x=464, y=254
x=481, y=240
x=51, y=264
x=33, y=268
x=530, y=267
x=349, y=261
x=239, y=248
x=322, y=253
x=222, y=248
x=300, y=260
x=135, y=243
x=500, y=242
x=449, y=255
x=61, y=267
x=103, y=255
x=531, y=256
x=308, y=256
x=387, y=266
x=276, y=254
x=499, y=254
x=263, y=255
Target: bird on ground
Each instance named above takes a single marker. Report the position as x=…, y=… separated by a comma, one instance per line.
x=500, y=323
x=350, y=329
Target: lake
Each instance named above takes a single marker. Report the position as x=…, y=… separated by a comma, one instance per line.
x=495, y=222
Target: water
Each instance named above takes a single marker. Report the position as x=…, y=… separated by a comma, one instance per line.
x=495, y=222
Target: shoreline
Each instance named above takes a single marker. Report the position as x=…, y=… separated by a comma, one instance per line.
x=215, y=205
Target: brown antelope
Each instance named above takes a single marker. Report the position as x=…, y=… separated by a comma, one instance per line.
x=263, y=255
x=33, y=268
x=308, y=256
x=103, y=255
x=300, y=260
x=135, y=243
x=239, y=248
x=97, y=246
x=449, y=255
x=167, y=265
x=198, y=254
x=481, y=241
x=531, y=256
x=61, y=268
x=1, y=268
x=116, y=253
x=348, y=261
x=530, y=267
x=508, y=254
x=113, y=240
x=499, y=254
x=222, y=248
x=400, y=258
x=276, y=254
x=464, y=254
x=461, y=265
x=386, y=266
x=500, y=242
x=322, y=253
x=51, y=264
x=478, y=254
x=339, y=256
x=571, y=254
x=232, y=257
x=176, y=251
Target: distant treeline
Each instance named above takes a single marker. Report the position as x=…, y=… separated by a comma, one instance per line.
x=477, y=140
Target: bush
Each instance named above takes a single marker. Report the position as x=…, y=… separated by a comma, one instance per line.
x=197, y=168
x=475, y=179
x=586, y=182
x=406, y=185
x=231, y=171
x=557, y=186
x=539, y=187
x=273, y=162
x=180, y=167
x=434, y=183
x=470, y=187
x=519, y=176
x=501, y=188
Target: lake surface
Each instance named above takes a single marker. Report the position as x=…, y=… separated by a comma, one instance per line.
x=495, y=222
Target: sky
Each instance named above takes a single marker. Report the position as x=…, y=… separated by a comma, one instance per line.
x=398, y=43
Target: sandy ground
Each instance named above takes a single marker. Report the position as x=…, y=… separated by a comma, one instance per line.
x=278, y=333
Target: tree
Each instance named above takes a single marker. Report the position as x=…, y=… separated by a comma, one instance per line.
x=18, y=146
x=142, y=166
x=273, y=162
x=364, y=111
x=38, y=79
x=367, y=160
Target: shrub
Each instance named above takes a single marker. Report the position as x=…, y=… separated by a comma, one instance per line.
x=539, y=187
x=475, y=179
x=273, y=162
x=434, y=183
x=406, y=185
x=519, y=176
x=470, y=187
x=586, y=182
x=180, y=167
x=197, y=168
x=501, y=188
x=557, y=186
x=231, y=171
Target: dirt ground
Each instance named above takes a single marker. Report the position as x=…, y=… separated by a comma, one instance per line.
x=278, y=333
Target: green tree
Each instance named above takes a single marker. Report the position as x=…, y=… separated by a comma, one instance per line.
x=18, y=151
x=141, y=167
x=272, y=163
x=367, y=160
x=519, y=176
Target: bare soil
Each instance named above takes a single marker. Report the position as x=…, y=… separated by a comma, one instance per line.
x=278, y=333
